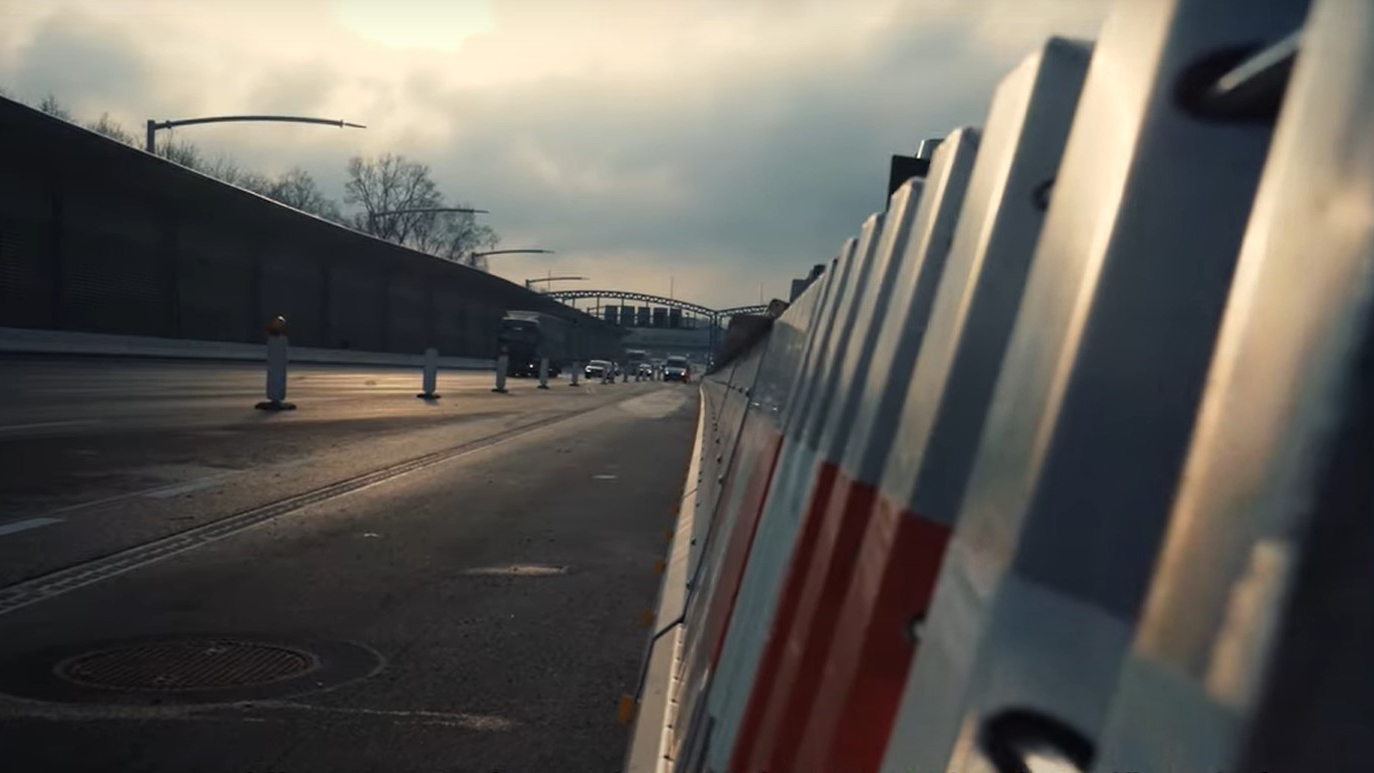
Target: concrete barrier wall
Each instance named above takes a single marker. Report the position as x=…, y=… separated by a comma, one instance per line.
x=1064, y=463
x=99, y=237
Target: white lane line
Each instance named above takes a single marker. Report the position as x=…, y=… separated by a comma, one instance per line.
x=167, y=491
x=14, y=527
x=186, y=488
x=46, y=424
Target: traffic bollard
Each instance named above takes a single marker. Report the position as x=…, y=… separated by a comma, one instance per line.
x=276, y=368
x=431, y=374
x=576, y=373
x=625, y=375
x=543, y=372
x=502, y=366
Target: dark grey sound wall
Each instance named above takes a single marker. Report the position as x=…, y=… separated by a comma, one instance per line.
x=96, y=236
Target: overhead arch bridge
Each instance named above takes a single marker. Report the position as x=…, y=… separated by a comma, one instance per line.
x=657, y=300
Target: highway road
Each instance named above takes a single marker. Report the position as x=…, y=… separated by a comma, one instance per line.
x=372, y=582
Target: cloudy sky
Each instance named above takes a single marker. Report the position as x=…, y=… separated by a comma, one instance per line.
x=720, y=145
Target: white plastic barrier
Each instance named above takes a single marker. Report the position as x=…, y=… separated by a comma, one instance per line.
x=1081, y=450
x=931, y=501
x=758, y=729
x=1252, y=652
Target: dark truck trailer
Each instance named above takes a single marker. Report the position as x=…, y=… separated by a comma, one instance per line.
x=526, y=336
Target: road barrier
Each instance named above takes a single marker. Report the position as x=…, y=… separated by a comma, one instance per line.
x=429, y=379
x=1064, y=461
x=502, y=368
x=278, y=352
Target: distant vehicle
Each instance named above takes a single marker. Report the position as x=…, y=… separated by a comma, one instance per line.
x=529, y=335
x=596, y=369
x=677, y=369
x=634, y=358
x=645, y=370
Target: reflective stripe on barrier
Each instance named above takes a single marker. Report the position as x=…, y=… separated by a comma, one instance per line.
x=1095, y=400
x=749, y=619
x=899, y=548
x=796, y=647
x=1253, y=649
x=814, y=305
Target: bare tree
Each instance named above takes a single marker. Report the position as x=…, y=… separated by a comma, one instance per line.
x=183, y=153
x=108, y=127
x=391, y=183
x=52, y=107
x=297, y=188
x=464, y=238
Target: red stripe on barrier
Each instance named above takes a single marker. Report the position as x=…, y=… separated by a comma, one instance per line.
x=751, y=728
x=740, y=543
x=873, y=646
x=844, y=517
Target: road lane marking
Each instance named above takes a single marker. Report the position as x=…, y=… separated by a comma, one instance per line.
x=46, y=424
x=196, y=485
x=14, y=527
x=62, y=581
x=516, y=570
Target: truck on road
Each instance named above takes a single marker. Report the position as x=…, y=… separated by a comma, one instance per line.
x=526, y=336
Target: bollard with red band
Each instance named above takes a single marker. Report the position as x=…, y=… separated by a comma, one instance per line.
x=277, y=356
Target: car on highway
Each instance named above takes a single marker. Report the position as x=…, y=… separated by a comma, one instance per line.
x=596, y=369
x=645, y=370
x=677, y=369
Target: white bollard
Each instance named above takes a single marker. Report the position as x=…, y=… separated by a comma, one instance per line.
x=276, y=368
x=576, y=374
x=502, y=365
x=543, y=372
x=431, y=376
x=625, y=375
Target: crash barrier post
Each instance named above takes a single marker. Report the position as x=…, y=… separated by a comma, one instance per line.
x=543, y=372
x=575, y=374
x=929, y=547
x=277, y=356
x=429, y=381
x=502, y=365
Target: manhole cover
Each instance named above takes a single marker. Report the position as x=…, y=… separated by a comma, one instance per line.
x=186, y=665
x=189, y=668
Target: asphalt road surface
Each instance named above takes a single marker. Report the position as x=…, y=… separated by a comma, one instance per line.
x=370, y=583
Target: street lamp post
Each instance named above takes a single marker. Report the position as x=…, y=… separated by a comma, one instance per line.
x=510, y=252
x=529, y=283
x=154, y=126
x=421, y=210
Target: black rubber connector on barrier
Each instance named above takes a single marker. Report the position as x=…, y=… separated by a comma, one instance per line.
x=1013, y=737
